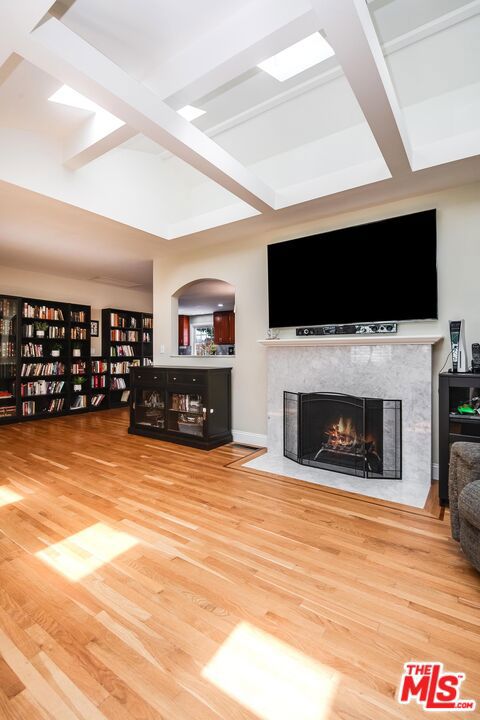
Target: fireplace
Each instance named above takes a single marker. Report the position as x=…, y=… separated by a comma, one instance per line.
x=343, y=433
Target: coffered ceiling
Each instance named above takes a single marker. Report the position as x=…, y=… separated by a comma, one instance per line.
x=396, y=106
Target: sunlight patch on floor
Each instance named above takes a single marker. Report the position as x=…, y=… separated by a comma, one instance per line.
x=7, y=496
x=86, y=551
x=270, y=678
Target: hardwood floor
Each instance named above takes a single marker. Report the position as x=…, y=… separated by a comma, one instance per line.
x=140, y=579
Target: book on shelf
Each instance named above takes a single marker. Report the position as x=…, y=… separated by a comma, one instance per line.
x=8, y=308
x=28, y=407
x=42, y=312
x=32, y=350
x=8, y=411
x=7, y=327
x=122, y=351
x=78, y=316
x=56, y=405
x=148, y=323
x=117, y=383
x=147, y=361
x=80, y=401
x=123, y=321
x=99, y=381
x=99, y=366
x=97, y=400
x=79, y=368
x=147, y=337
x=124, y=336
x=7, y=349
x=78, y=333
x=120, y=368
x=32, y=369
x=41, y=387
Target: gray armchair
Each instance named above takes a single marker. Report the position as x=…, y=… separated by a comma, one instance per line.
x=464, y=493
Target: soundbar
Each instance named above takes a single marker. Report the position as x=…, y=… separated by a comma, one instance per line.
x=362, y=329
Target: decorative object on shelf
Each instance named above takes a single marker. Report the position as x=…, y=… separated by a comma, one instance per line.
x=94, y=328
x=78, y=381
x=56, y=350
x=475, y=357
x=459, y=348
x=40, y=329
x=272, y=334
x=77, y=350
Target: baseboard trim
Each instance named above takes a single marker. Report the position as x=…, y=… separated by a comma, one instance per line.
x=250, y=439
x=435, y=471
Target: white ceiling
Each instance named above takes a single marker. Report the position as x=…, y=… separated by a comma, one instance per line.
x=395, y=111
x=205, y=297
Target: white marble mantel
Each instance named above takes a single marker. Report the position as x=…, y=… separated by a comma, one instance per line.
x=333, y=340
x=383, y=366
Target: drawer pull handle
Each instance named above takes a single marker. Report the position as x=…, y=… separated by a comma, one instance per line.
x=174, y=378
x=194, y=379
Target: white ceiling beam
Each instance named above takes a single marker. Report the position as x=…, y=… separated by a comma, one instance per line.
x=350, y=31
x=64, y=55
x=91, y=142
x=231, y=49
x=211, y=62
x=17, y=19
x=9, y=66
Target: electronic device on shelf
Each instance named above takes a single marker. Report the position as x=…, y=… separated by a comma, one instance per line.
x=361, y=329
x=476, y=357
x=459, y=348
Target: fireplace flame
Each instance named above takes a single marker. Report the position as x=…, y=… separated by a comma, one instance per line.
x=342, y=435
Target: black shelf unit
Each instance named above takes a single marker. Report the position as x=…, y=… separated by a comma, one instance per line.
x=186, y=405
x=80, y=364
x=123, y=329
x=455, y=389
x=9, y=348
x=100, y=378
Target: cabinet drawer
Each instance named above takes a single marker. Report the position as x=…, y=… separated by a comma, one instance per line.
x=150, y=377
x=183, y=377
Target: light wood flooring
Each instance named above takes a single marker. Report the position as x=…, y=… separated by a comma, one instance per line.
x=140, y=579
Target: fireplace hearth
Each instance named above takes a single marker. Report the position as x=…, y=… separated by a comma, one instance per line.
x=344, y=433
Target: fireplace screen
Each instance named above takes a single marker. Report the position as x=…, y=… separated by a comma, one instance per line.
x=347, y=434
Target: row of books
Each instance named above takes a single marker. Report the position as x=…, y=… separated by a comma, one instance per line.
x=5, y=394
x=121, y=351
x=99, y=381
x=79, y=402
x=78, y=333
x=118, y=383
x=54, y=406
x=7, y=349
x=148, y=323
x=8, y=370
x=42, y=312
x=8, y=308
x=7, y=327
x=32, y=350
x=79, y=368
x=147, y=337
x=54, y=332
x=124, y=335
x=78, y=316
x=121, y=368
x=7, y=411
x=147, y=361
x=52, y=368
x=97, y=400
x=123, y=321
x=99, y=366
x=41, y=387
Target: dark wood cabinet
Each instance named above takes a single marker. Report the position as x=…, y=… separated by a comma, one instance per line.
x=186, y=405
x=454, y=390
x=224, y=327
x=183, y=330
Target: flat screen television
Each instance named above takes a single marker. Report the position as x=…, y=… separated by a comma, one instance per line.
x=383, y=271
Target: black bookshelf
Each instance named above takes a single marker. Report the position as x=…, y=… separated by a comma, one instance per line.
x=100, y=378
x=9, y=338
x=80, y=363
x=127, y=341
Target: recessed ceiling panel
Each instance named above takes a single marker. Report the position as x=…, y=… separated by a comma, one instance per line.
x=432, y=51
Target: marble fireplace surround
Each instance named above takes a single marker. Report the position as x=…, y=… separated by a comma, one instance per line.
x=387, y=366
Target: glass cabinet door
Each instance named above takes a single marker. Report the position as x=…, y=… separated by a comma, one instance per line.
x=8, y=357
x=186, y=413
x=150, y=408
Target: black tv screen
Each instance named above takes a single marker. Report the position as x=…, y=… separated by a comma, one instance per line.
x=377, y=272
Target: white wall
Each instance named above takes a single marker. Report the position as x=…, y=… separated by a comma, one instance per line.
x=243, y=264
x=14, y=281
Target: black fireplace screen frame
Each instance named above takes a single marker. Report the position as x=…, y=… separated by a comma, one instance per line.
x=297, y=441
